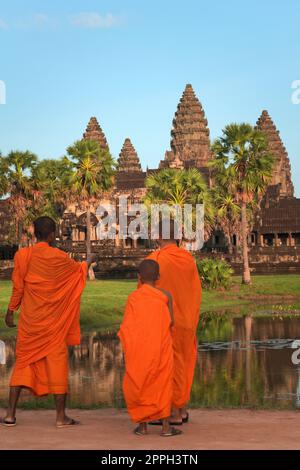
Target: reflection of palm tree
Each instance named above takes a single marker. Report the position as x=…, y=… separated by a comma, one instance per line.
x=248, y=328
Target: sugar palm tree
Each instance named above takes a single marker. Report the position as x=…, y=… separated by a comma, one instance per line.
x=49, y=178
x=20, y=166
x=180, y=187
x=91, y=176
x=243, y=165
x=227, y=213
x=3, y=176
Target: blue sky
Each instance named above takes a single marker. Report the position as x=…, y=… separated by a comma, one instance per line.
x=127, y=62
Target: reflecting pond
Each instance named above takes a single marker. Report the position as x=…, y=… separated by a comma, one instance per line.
x=242, y=361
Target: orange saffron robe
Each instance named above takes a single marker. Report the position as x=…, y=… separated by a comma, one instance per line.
x=179, y=276
x=47, y=284
x=147, y=344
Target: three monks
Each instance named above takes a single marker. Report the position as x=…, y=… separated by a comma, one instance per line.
x=158, y=332
x=47, y=285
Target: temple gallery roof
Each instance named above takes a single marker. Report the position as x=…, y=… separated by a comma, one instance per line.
x=130, y=180
x=283, y=217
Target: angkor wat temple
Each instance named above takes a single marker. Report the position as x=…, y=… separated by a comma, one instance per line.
x=275, y=238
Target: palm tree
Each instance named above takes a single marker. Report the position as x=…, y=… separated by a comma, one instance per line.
x=243, y=165
x=92, y=175
x=180, y=187
x=3, y=176
x=227, y=213
x=49, y=177
x=20, y=166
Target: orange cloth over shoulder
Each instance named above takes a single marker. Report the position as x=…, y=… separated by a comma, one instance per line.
x=147, y=343
x=179, y=276
x=48, y=286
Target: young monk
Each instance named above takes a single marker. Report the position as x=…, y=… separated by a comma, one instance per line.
x=47, y=284
x=146, y=339
x=179, y=276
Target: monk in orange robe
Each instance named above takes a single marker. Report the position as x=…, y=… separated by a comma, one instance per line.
x=145, y=334
x=47, y=284
x=179, y=276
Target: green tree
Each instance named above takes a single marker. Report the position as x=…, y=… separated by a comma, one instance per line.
x=243, y=165
x=227, y=213
x=180, y=187
x=20, y=166
x=92, y=175
x=3, y=176
x=50, y=178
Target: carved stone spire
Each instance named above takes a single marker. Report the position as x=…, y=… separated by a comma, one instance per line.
x=282, y=167
x=128, y=160
x=94, y=132
x=190, y=141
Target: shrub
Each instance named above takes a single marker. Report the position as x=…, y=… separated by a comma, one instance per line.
x=215, y=273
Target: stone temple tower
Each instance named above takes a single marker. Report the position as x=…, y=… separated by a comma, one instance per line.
x=282, y=168
x=94, y=132
x=128, y=160
x=190, y=142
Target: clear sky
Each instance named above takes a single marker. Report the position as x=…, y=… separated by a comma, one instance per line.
x=128, y=61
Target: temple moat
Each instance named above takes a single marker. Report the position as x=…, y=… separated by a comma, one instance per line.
x=242, y=362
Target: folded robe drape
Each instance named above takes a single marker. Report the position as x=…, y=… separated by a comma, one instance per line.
x=47, y=284
x=179, y=276
x=147, y=344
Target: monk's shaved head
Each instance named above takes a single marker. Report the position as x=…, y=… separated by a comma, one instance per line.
x=149, y=270
x=44, y=227
x=168, y=232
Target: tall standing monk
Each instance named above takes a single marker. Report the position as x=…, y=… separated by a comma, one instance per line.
x=47, y=284
x=179, y=276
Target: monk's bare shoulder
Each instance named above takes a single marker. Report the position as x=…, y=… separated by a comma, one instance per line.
x=166, y=292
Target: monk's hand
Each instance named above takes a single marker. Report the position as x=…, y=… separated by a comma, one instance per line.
x=9, y=319
x=91, y=259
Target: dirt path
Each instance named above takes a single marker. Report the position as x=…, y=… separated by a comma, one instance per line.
x=110, y=429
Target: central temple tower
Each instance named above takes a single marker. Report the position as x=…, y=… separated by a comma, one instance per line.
x=190, y=142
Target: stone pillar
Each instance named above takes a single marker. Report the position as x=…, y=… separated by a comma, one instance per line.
x=291, y=240
x=276, y=239
x=117, y=240
x=261, y=240
x=74, y=234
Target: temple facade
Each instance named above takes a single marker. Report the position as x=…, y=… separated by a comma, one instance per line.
x=275, y=238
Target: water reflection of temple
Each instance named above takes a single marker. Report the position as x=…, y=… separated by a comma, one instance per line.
x=234, y=376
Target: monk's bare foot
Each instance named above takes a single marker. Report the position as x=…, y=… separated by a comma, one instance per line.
x=141, y=430
x=168, y=430
x=8, y=421
x=66, y=422
x=176, y=418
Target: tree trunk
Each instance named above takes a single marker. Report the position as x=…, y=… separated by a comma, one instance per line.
x=88, y=242
x=245, y=254
x=88, y=231
x=19, y=233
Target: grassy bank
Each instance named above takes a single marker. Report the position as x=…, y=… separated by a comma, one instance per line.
x=103, y=301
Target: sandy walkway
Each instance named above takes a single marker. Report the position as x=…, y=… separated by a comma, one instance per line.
x=111, y=429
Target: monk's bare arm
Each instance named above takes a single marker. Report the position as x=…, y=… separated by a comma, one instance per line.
x=170, y=305
x=91, y=259
x=17, y=293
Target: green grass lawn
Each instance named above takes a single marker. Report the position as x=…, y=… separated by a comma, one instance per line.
x=103, y=301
